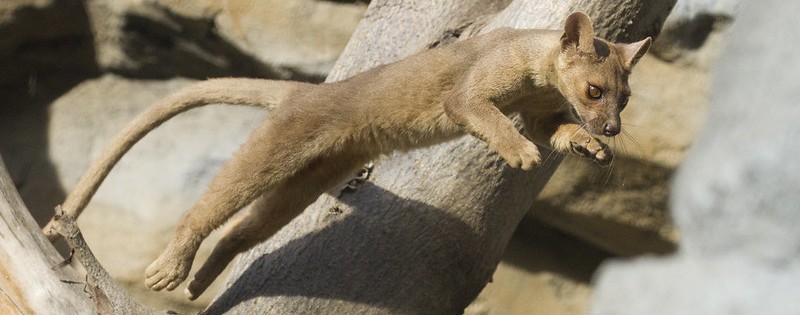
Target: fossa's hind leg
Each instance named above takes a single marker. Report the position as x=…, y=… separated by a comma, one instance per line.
x=269, y=214
x=258, y=167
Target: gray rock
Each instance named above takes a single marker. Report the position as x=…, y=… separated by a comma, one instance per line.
x=690, y=26
x=736, y=197
x=690, y=9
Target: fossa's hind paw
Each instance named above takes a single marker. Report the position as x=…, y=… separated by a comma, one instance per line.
x=166, y=272
x=196, y=287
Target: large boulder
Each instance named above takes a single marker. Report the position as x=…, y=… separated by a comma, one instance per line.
x=736, y=195
x=622, y=208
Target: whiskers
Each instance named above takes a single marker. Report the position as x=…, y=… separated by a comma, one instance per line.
x=627, y=135
x=549, y=156
x=620, y=146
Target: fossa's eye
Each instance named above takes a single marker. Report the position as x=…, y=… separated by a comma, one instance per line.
x=594, y=92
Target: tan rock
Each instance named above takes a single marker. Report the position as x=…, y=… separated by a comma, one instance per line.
x=133, y=214
x=280, y=39
x=622, y=209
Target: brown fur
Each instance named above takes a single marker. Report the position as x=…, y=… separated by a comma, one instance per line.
x=317, y=135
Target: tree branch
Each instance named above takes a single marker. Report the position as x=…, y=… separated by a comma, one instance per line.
x=28, y=281
x=108, y=295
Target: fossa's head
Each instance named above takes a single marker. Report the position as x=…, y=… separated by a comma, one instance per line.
x=593, y=74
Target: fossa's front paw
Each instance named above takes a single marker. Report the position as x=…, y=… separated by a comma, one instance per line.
x=590, y=147
x=520, y=154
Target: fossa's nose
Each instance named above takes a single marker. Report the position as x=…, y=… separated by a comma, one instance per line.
x=611, y=129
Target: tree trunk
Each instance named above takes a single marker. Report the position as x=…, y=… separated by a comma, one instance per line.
x=31, y=280
x=425, y=232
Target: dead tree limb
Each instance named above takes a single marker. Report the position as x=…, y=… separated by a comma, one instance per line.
x=108, y=295
x=33, y=279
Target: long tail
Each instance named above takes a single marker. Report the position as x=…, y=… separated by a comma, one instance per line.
x=235, y=91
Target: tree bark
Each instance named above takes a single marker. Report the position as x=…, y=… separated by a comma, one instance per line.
x=32, y=280
x=425, y=232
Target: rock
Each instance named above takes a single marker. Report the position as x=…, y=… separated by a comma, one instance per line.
x=622, y=209
x=41, y=37
x=150, y=189
x=543, y=271
x=690, y=26
x=735, y=197
x=199, y=39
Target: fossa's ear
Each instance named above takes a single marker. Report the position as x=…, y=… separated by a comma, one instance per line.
x=578, y=32
x=631, y=53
